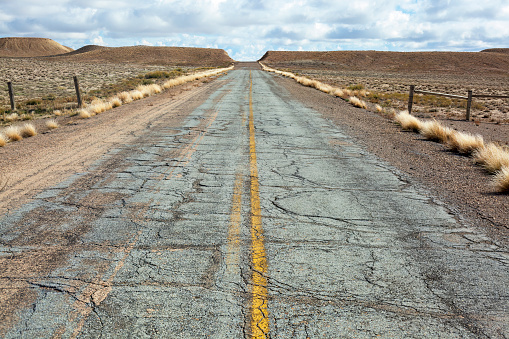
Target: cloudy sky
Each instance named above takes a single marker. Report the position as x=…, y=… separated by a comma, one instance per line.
x=248, y=28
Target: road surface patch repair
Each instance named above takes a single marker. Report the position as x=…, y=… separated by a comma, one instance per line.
x=161, y=238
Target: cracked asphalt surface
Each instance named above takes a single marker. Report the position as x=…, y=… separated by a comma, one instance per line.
x=254, y=200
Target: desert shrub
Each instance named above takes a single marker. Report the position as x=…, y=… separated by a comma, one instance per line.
x=357, y=102
x=84, y=114
x=492, y=157
x=408, y=122
x=465, y=143
x=433, y=130
x=125, y=97
x=28, y=130
x=501, y=180
x=115, y=102
x=52, y=124
x=357, y=87
x=3, y=140
x=13, y=133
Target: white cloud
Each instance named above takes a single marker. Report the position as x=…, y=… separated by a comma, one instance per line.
x=98, y=41
x=248, y=28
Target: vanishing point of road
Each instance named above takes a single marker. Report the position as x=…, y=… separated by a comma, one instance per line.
x=254, y=217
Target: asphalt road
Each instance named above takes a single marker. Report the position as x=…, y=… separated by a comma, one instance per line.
x=254, y=218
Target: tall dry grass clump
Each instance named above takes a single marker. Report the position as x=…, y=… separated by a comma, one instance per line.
x=136, y=95
x=492, y=157
x=13, y=133
x=11, y=117
x=84, y=114
x=357, y=102
x=433, y=130
x=408, y=122
x=338, y=92
x=125, y=97
x=3, y=140
x=115, y=102
x=501, y=180
x=52, y=124
x=465, y=143
x=28, y=130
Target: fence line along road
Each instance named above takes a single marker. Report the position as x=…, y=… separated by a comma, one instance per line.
x=469, y=97
x=76, y=87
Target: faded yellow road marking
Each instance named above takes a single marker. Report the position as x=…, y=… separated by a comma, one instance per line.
x=259, y=311
x=233, y=256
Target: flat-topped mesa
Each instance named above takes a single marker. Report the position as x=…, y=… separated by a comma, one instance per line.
x=31, y=47
x=494, y=63
x=149, y=55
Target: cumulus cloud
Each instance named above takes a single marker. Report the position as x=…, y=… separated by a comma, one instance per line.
x=248, y=28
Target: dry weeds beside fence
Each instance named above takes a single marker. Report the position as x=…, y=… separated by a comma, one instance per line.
x=76, y=87
x=469, y=98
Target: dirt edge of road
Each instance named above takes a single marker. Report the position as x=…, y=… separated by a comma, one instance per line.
x=30, y=166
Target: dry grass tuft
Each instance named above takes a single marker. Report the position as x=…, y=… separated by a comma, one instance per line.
x=52, y=124
x=433, y=130
x=12, y=117
x=28, y=130
x=357, y=102
x=115, y=102
x=408, y=122
x=13, y=133
x=465, y=143
x=379, y=108
x=501, y=180
x=84, y=114
x=136, y=95
x=57, y=112
x=337, y=92
x=492, y=157
x=3, y=140
x=125, y=97
x=98, y=107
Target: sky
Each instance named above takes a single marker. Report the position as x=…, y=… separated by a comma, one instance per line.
x=246, y=29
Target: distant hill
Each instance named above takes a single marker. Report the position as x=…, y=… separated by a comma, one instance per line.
x=30, y=47
x=397, y=62
x=497, y=50
x=148, y=55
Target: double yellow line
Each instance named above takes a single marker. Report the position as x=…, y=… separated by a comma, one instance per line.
x=259, y=311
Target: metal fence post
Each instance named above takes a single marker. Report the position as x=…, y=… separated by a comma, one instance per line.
x=11, y=96
x=78, y=93
x=411, y=99
x=469, y=104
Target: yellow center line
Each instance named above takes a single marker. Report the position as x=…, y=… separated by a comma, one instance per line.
x=233, y=256
x=259, y=311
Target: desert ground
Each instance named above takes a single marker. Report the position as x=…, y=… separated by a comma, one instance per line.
x=388, y=76
x=42, y=71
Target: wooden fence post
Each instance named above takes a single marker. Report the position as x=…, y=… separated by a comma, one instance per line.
x=78, y=93
x=411, y=99
x=469, y=104
x=11, y=96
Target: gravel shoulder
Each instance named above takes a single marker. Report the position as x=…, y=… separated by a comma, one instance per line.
x=454, y=179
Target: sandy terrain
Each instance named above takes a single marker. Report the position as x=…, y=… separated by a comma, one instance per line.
x=36, y=78
x=46, y=83
x=391, y=74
